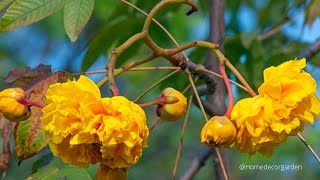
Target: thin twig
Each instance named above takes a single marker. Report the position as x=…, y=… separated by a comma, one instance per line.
x=218, y=75
x=309, y=147
x=155, y=124
x=197, y=163
x=127, y=67
x=221, y=164
x=181, y=137
x=155, y=84
x=277, y=28
x=197, y=95
x=114, y=57
x=132, y=69
x=221, y=57
x=310, y=51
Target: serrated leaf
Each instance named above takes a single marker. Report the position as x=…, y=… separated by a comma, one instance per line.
x=30, y=139
x=4, y=4
x=25, y=77
x=6, y=153
x=76, y=15
x=43, y=161
x=74, y=173
x=24, y=12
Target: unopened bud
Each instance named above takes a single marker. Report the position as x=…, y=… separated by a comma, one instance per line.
x=10, y=107
x=219, y=131
x=171, y=100
x=174, y=109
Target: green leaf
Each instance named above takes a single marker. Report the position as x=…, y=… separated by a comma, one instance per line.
x=74, y=173
x=56, y=170
x=247, y=39
x=76, y=15
x=29, y=137
x=43, y=161
x=117, y=31
x=49, y=172
x=24, y=12
x=4, y=4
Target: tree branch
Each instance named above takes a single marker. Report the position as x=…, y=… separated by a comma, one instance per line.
x=310, y=51
x=197, y=163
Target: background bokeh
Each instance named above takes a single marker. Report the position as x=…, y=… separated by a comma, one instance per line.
x=113, y=22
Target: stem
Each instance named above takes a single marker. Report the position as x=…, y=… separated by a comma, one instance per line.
x=309, y=147
x=29, y=103
x=157, y=23
x=127, y=67
x=114, y=57
x=223, y=59
x=226, y=81
x=132, y=69
x=189, y=45
x=218, y=75
x=164, y=3
x=181, y=138
x=221, y=163
x=155, y=124
x=197, y=95
x=155, y=84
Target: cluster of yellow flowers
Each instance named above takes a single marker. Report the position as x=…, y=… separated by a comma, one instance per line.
x=84, y=128
x=286, y=102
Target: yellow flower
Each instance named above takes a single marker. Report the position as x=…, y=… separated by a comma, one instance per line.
x=78, y=121
x=106, y=173
x=172, y=111
x=9, y=105
x=293, y=91
x=81, y=155
x=286, y=102
x=288, y=83
x=219, y=131
x=123, y=132
x=66, y=107
x=253, y=118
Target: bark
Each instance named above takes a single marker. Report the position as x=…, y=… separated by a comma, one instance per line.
x=217, y=99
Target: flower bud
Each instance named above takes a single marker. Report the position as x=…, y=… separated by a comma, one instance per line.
x=219, y=131
x=173, y=109
x=10, y=106
x=107, y=173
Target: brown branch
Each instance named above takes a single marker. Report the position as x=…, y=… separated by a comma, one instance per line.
x=310, y=51
x=197, y=163
x=217, y=99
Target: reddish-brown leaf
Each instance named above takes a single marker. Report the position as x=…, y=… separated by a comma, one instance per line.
x=5, y=155
x=25, y=77
x=29, y=137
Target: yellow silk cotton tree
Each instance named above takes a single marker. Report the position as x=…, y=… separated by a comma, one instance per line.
x=68, y=112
